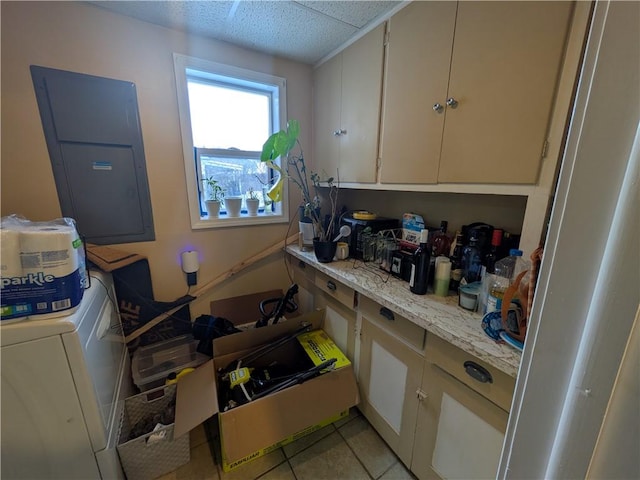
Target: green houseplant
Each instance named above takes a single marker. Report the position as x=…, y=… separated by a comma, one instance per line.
x=285, y=144
x=214, y=196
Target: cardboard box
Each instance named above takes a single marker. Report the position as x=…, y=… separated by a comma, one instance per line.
x=262, y=423
x=244, y=310
x=227, y=466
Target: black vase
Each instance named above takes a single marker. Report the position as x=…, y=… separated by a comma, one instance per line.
x=325, y=251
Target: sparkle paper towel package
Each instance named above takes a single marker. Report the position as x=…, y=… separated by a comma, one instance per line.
x=42, y=266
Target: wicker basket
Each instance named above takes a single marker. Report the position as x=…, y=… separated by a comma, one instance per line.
x=155, y=453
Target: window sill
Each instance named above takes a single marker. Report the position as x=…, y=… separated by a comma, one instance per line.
x=244, y=220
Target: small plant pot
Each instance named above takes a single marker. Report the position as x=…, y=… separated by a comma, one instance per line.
x=213, y=208
x=233, y=206
x=252, y=206
x=324, y=251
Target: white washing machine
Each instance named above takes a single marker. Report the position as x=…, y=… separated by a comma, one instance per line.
x=64, y=381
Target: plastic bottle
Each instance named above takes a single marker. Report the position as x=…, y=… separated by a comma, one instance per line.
x=506, y=270
x=471, y=259
x=420, y=267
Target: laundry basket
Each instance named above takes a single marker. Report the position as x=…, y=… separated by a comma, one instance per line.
x=150, y=455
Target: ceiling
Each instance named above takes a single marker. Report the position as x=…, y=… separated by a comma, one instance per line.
x=304, y=31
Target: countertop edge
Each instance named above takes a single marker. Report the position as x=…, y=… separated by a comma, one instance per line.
x=440, y=316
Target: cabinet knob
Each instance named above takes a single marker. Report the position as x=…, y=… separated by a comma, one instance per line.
x=477, y=372
x=388, y=314
x=452, y=102
x=331, y=286
x=421, y=395
x=438, y=108
x=342, y=131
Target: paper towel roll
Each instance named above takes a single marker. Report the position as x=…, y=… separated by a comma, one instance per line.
x=10, y=265
x=49, y=249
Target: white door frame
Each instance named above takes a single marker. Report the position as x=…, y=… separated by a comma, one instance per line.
x=589, y=286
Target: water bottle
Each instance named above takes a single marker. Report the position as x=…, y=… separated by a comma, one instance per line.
x=506, y=271
x=471, y=259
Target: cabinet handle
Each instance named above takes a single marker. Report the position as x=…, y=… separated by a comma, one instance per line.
x=331, y=286
x=477, y=372
x=386, y=313
x=438, y=108
x=421, y=395
x=452, y=102
x=337, y=133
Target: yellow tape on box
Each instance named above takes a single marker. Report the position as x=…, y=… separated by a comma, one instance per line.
x=227, y=467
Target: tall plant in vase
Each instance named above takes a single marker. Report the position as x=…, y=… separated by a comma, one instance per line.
x=285, y=144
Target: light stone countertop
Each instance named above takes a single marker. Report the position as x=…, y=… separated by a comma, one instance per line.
x=438, y=315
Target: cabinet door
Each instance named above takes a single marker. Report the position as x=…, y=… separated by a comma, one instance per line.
x=417, y=72
x=339, y=323
x=459, y=433
x=327, y=97
x=361, y=99
x=504, y=69
x=390, y=375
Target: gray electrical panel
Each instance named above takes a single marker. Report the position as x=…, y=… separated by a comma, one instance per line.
x=92, y=128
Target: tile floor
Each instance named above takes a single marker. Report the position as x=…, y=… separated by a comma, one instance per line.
x=348, y=449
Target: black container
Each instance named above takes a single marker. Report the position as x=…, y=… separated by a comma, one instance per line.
x=324, y=251
x=358, y=226
x=401, y=263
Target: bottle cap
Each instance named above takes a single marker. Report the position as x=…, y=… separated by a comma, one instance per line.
x=514, y=252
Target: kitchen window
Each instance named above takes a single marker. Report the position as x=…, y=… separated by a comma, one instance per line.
x=226, y=114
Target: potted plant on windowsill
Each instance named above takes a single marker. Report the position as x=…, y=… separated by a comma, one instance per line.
x=215, y=194
x=285, y=144
x=253, y=202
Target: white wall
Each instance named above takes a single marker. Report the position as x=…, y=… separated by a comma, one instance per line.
x=80, y=37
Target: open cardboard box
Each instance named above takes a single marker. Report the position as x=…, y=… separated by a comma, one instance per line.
x=244, y=311
x=249, y=428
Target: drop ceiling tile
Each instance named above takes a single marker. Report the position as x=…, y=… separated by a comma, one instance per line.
x=355, y=13
x=304, y=31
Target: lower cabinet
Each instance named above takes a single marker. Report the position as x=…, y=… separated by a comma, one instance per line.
x=339, y=323
x=442, y=411
x=462, y=416
x=390, y=373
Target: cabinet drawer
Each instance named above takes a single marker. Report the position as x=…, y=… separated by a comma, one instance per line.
x=471, y=371
x=302, y=274
x=395, y=324
x=335, y=289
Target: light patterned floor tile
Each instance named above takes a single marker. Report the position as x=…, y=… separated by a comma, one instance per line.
x=353, y=413
x=303, y=442
x=201, y=466
x=281, y=472
x=255, y=468
x=372, y=451
x=329, y=459
x=397, y=472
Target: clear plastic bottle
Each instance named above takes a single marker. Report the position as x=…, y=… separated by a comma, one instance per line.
x=471, y=259
x=506, y=271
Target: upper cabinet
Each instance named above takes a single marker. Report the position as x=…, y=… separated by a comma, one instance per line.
x=347, y=99
x=469, y=89
x=417, y=73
